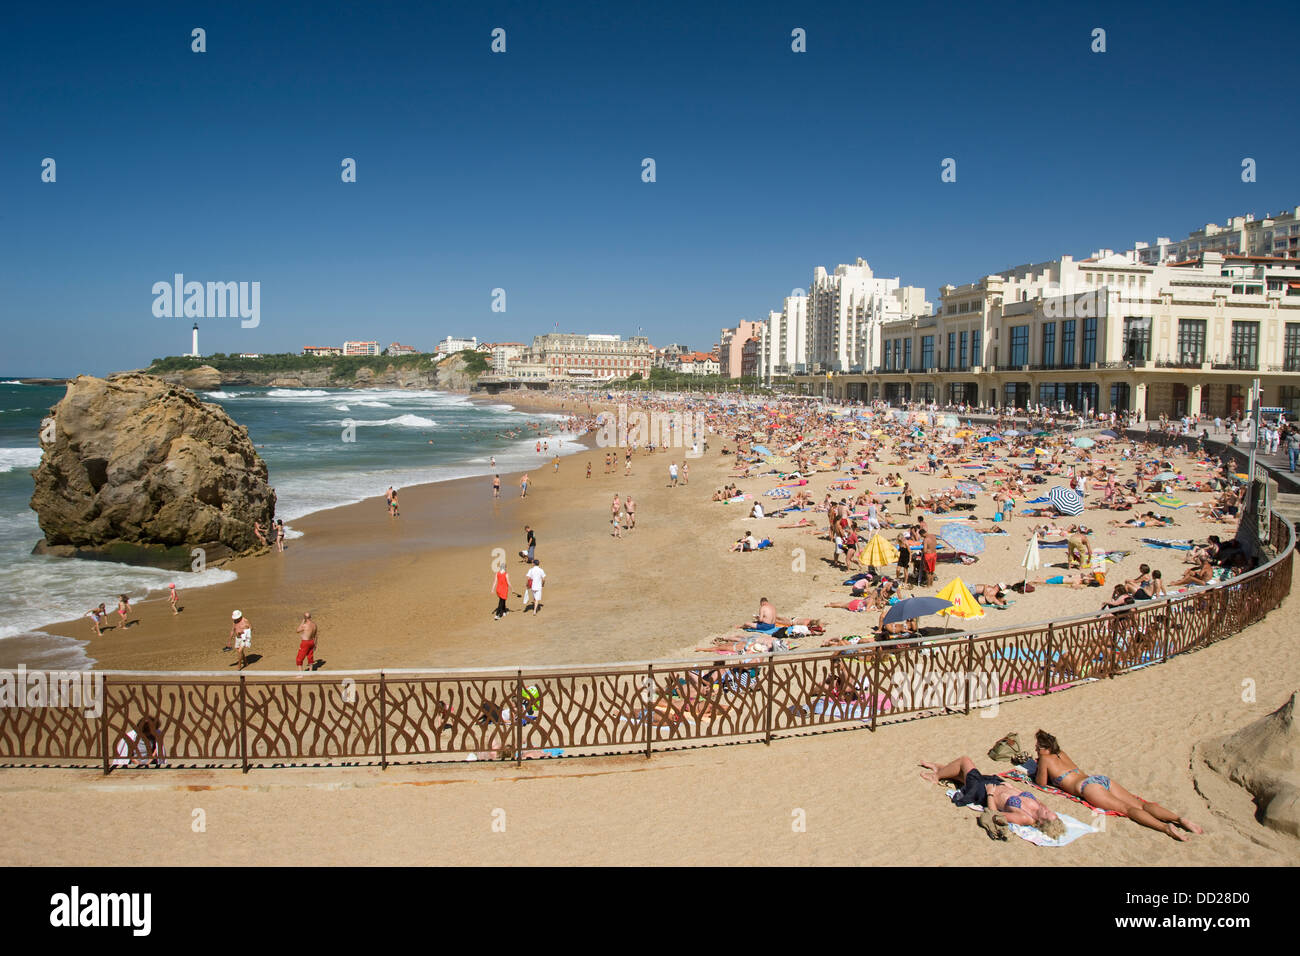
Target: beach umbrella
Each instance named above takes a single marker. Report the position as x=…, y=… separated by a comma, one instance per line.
x=949, y=421
x=1040, y=433
x=762, y=449
x=1065, y=501
x=916, y=607
x=961, y=537
x=1031, y=561
x=956, y=441
x=1169, y=501
x=1012, y=433
x=962, y=601
x=963, y=433
x=1084, y=442
x=1165, y=476
x=989, y=438
x=1110, y=434
x=878, y=553
x=1041, y=451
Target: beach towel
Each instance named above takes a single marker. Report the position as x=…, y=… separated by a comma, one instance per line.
x=1073, y=828
x=1177, y=545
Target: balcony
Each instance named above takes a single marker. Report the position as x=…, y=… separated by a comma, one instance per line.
x=1192, y=363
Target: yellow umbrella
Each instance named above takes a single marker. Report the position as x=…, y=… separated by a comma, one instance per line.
x=963, y=602
x=1040, y=451
x=878, y=553
x=962, y=434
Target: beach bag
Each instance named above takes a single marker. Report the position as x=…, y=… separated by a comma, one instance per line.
x=997, y=516
x=1009, y=749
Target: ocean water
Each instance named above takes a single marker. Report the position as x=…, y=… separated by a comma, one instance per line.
x=400, y=438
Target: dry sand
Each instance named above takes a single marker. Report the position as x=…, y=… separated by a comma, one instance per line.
x=416, y=591
x=858, y=793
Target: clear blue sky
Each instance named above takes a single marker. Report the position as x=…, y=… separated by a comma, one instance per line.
x=523, y=170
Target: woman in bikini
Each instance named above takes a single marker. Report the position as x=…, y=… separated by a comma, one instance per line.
x=1057, y=768
x=1017, y=805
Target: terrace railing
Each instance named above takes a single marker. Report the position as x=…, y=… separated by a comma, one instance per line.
x=407, y=716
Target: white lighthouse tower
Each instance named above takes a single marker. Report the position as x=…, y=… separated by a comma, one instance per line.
x=194, y=349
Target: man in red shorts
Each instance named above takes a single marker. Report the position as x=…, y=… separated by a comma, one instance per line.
x=307, y=647
x=929, y=556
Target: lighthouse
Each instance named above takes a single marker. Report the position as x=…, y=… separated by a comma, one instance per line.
x=194, y=348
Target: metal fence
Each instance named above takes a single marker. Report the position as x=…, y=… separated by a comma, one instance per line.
x=402, y=716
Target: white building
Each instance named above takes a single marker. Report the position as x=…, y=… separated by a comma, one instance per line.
x=360, y=348
x=451, y=345
x=845, y=310
x=785, y=339
x=1243, y=236
x=506, y=355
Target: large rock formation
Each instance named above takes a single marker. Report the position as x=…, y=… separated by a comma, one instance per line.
x=141, y=470
x=1262, y=757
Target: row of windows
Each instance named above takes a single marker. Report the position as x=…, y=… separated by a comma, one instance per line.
x=964, y=349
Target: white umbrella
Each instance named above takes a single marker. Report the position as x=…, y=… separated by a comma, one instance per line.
x=1031, y=561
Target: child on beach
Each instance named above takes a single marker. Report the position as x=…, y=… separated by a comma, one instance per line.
x=97, y=615
x=123, y=608
x=172, y=596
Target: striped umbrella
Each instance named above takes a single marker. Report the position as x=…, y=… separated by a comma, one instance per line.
x=1065, y=501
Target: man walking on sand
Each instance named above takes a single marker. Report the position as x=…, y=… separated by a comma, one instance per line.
x=1076, y=545
x=536, y=577
x=241, y=636
x=496, y=486
x=523, y=486
x=630, y=507
x=672, y=475
x=307, y=646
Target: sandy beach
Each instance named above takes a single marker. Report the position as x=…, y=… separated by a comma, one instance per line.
x=414, y=591
x=858, y=794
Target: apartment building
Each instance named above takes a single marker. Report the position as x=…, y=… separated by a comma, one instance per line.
x=1277, y=236
x=1107, y=332
x=451, y=345
x=360, y=348
x=321, y=350
x=845, y=310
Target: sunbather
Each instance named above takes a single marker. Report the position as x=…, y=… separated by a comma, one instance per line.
x=1057, y=769
x=1015, y=803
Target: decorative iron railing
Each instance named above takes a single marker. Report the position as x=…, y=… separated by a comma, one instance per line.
x=405, y=716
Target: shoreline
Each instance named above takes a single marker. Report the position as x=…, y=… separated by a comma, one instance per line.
x=401, y=592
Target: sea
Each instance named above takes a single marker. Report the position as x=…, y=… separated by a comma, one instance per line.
x=402, y=437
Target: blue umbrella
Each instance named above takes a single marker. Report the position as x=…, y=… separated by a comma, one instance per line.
x=762, y=449
x=984, y=441
x=1084, y=442
x=1011, y=433
x=1065, y=501
x=1110, y=434
x=915, y=607
x=961, y=538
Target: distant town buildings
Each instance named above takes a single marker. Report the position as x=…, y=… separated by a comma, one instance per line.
x=321, y=350
x=397, y=348
x=360, y=348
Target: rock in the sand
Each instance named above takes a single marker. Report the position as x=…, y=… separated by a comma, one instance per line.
x=1262, y=758
x=137, y=469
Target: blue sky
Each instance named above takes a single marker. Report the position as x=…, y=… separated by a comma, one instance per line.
x=522, y=170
